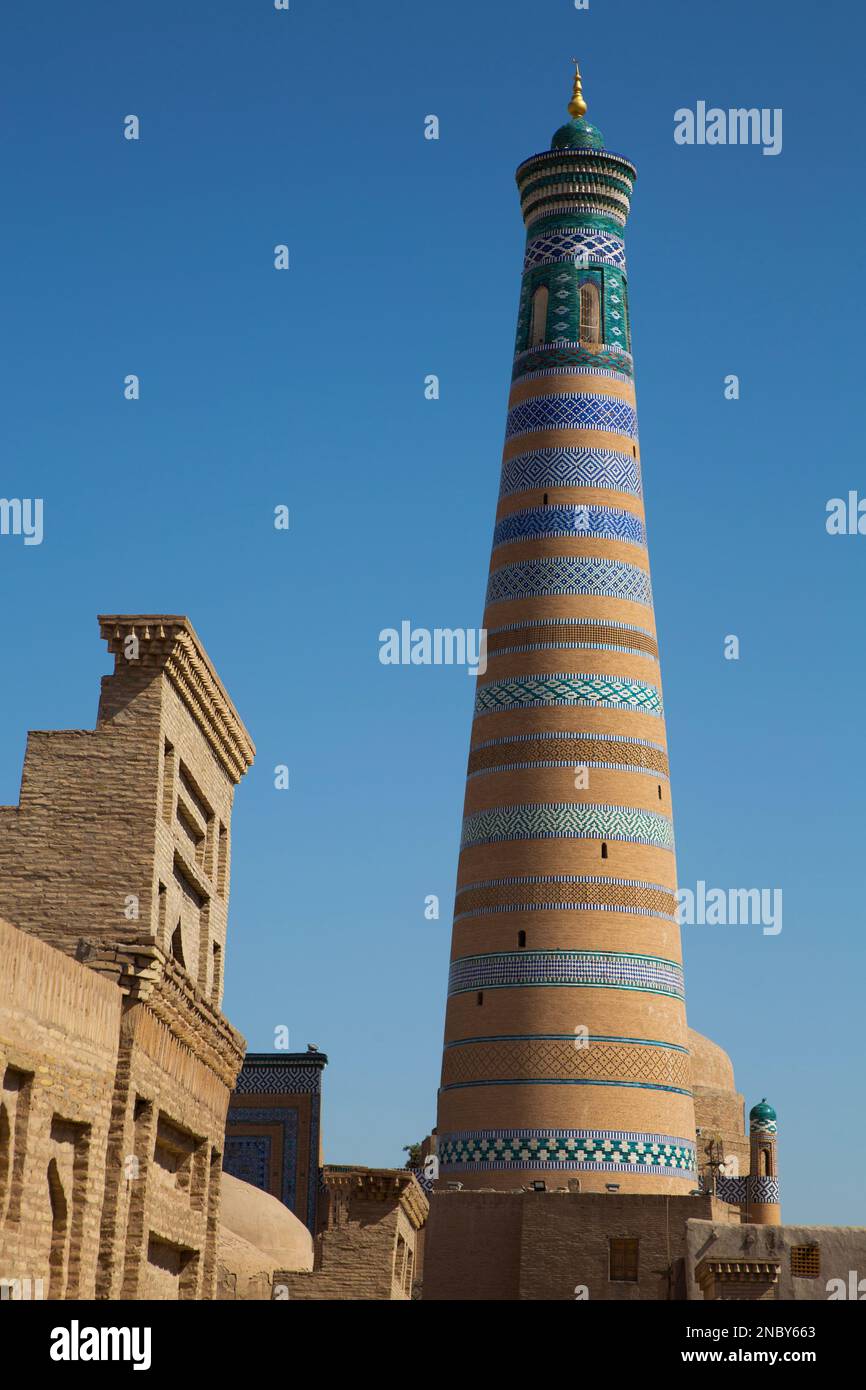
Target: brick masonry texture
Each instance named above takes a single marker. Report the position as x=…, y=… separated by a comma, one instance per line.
x=116, y=1062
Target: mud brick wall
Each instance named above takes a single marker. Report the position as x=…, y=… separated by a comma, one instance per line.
x=59, y=1028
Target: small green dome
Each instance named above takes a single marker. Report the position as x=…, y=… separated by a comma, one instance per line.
x=762, y=1111
x=578, y=135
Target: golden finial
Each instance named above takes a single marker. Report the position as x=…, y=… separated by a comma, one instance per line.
x=577, y=105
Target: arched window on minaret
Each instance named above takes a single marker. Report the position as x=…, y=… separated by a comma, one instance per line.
x=590, y=313
x=538, y=326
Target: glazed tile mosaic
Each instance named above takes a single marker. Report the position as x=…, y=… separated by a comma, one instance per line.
x=609, y=1150
x=549, y=468
x=574, y=411
x=531, y=692
x=590, y=247
x=574, y=519
x=568, y=820
x=566, y=969
x=569, y=574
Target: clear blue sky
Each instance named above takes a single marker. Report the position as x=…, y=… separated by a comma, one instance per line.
x=306, y=388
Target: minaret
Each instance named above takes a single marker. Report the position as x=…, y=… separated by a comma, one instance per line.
x=762, y=1188
x=565, y=1040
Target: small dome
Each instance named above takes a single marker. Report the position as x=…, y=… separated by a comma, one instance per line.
x=262, y=1221
x=578, y=135
x=761, y=1112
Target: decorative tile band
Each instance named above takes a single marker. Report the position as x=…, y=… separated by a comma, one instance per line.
x=577, y=410
x=278, y=1079
x=540, y=633
x=590, y=247
x=606, y=1150
x=533, y=692
x=566, y=970
x=550, y=468
x=569, y=574
x=763, y=1126
x=548, y=1061
x=570, y=519
x=545, y=893
x=763, y=1189
x=568, y=821
x=569, y=750
x=565, y=1037
x=552, y=358
x=743, y=1190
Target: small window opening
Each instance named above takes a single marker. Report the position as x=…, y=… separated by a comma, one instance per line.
x=480, y=997
x=604, y=849
x=177, y=945
x=521, y=939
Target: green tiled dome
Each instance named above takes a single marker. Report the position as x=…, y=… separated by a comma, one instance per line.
x=578, y=135
x=762, y=1111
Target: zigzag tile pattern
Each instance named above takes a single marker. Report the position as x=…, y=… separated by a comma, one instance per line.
x=532, y=692
x=569, y=574
x=608, y=523
x=572, y=969
x=549, y=468
x=568, y=821
x=578, y=410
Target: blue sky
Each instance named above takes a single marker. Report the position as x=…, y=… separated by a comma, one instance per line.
x=306, y=388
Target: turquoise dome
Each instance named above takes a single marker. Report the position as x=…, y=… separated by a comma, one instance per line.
x=762, y=1111
x=578, y=135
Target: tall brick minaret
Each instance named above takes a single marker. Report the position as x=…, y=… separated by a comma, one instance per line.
x=565, y=1039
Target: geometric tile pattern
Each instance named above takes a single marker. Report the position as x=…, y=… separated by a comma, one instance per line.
x=562, y=467
x=568, y=749
x=519, y=1061
x=576, y=1149
x=576, y=411
x=600, y=247
x=731, y=1190
x=611, y=523
x=279, y=1080
x=237, y=1162
x=533, y=692
x=540, y=893
x=534, y=634
x=568, y=820
x=739, y=1191
x=569, y=574
x=566, y=969
x=763, y=1189
x=248, y=1158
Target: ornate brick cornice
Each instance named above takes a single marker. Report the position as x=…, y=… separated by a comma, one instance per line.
x=169, y=642
x=146, y=975
x=381, y=1185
